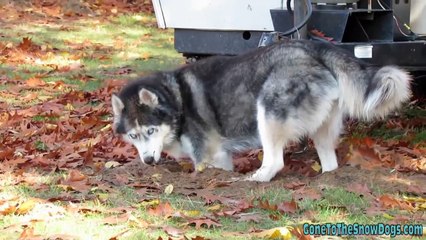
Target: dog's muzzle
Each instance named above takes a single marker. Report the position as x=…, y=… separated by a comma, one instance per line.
x=149, y=160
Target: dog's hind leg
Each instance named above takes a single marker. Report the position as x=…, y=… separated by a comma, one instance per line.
x=273, y=138
x=326, y=137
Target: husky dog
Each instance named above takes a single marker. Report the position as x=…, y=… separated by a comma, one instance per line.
x=265, y=98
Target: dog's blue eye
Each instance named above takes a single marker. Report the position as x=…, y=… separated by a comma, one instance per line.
x=133, y=136
x=150, y=131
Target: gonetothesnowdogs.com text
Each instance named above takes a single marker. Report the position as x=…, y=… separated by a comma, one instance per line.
x=342, y=229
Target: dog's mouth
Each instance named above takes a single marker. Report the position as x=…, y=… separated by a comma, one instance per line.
x=150, y=160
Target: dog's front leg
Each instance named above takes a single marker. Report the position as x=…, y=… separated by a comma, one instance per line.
x=195, y=151
x=223, y=160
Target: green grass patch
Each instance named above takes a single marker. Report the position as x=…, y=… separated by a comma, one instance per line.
x=98, y=48
x=385, y=133
x=420, y=136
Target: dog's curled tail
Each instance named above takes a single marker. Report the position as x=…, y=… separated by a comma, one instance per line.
x=382, y=92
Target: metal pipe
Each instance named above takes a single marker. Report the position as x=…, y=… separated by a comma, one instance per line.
x=299, y=13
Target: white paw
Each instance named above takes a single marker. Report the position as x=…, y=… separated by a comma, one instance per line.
x=263, y=174
x=329, y=167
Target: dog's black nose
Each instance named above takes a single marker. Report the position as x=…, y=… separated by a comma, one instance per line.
x=149, y=160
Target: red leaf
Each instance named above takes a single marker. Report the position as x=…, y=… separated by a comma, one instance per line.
x=306, y=193
x=294, y=185
x=361, y=189
x=76, y=175
x=210, y=198
x=77, y=181
x=288, y=207
x=265, y=205
x=387, y=201
x=162, y=209
x=25, y=44
x=35, y=82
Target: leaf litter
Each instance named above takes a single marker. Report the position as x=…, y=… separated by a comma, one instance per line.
x=53, y=127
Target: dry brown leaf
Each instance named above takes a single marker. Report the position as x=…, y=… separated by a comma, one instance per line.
x=172, y=231
x=199, y=222
x=294, y=185
x=360, y=189
x=35, y=82
x=162, y=209
x=306, y=193
x=288, y=207
x=117, y=219
x=75, y=175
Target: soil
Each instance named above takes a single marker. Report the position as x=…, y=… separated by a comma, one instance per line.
x=229, y=184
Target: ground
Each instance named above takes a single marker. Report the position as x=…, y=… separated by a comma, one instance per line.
x=65, y=175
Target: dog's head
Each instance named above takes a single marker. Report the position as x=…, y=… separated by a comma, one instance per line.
x=142, y=121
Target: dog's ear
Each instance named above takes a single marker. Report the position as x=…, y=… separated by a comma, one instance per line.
x=117, y=105
x=148, y=98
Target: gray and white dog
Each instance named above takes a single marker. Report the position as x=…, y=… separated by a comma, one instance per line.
x=265, y=98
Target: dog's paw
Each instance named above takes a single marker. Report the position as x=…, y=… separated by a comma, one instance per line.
x=329, y=168
x=263, y=174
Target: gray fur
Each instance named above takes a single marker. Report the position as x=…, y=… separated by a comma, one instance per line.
x=267, y=97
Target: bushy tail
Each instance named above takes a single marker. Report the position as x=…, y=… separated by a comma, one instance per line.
x=380, y=93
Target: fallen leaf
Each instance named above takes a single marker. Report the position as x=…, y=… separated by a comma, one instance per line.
x=306, y=193
x=266, y=205
x=293, y=185
x=111, y=164
x=35, y=82
x=26, y=44
x=162, y=209
x=297, y=232
x=214, y=208
x=118, y=235
x=75, y=176
x=418, y=190
x=199, y=238
x=387, y=201
x=26, y=206
x=210, y=198
x=190, y=213
x=203, y=221
x=288, y=207
x=274, y=233
x=316, y=166
x=169, y=189
x=250, y=217
x=113, y=220
x=77, y=181
x=172, y=231
x=360, y=189
x=28, y=233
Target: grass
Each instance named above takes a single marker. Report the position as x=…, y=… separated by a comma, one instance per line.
x=336, y=205
x=380, y=130
x=98, y=50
